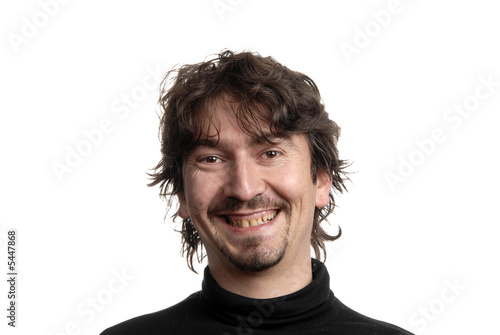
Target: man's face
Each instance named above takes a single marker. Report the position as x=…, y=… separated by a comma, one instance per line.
x=252, y=202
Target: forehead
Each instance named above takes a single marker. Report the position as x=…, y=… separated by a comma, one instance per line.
x=226, y=132
x=224, y=116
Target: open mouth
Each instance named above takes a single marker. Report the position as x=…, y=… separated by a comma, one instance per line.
x=253, y=222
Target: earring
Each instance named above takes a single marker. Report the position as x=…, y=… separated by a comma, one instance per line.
x=190, y=233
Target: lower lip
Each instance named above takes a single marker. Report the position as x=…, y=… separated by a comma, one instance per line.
x=250, y=229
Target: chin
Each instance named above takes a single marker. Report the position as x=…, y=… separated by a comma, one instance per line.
x=256, y=260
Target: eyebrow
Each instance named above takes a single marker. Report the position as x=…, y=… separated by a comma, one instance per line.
x=256, y=140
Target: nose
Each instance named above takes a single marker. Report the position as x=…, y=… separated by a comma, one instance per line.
x=245, y=180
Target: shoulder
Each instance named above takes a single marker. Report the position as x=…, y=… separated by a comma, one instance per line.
x=165, y=321
x=357, y=323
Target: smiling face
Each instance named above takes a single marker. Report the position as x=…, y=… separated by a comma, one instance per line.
x=251, y=202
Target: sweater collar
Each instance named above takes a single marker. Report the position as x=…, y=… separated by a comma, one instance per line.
x=309, y=304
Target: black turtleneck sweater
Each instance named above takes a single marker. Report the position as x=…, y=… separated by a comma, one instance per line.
x=213, y=310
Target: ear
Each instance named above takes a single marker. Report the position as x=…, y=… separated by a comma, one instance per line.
x=323, y=187
x=183, y=210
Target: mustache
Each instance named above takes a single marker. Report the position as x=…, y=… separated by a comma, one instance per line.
x=231, y=204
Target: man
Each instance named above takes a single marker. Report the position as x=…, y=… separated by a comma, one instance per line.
x=250, y=153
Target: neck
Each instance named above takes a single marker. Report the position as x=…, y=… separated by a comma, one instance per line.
x=286, y=277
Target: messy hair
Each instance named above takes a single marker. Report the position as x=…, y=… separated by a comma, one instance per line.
x=265, y=92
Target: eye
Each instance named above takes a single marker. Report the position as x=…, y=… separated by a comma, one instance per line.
x=210, y=159
x=271, y=154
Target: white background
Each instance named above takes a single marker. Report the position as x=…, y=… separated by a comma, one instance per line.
x=403, y=247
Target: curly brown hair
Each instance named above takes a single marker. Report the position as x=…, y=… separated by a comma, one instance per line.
x=264, y=90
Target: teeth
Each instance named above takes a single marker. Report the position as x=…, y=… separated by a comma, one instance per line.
x=252, y=222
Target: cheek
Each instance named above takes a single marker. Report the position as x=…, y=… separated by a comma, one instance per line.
x=200, y=193
x=295, y=185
